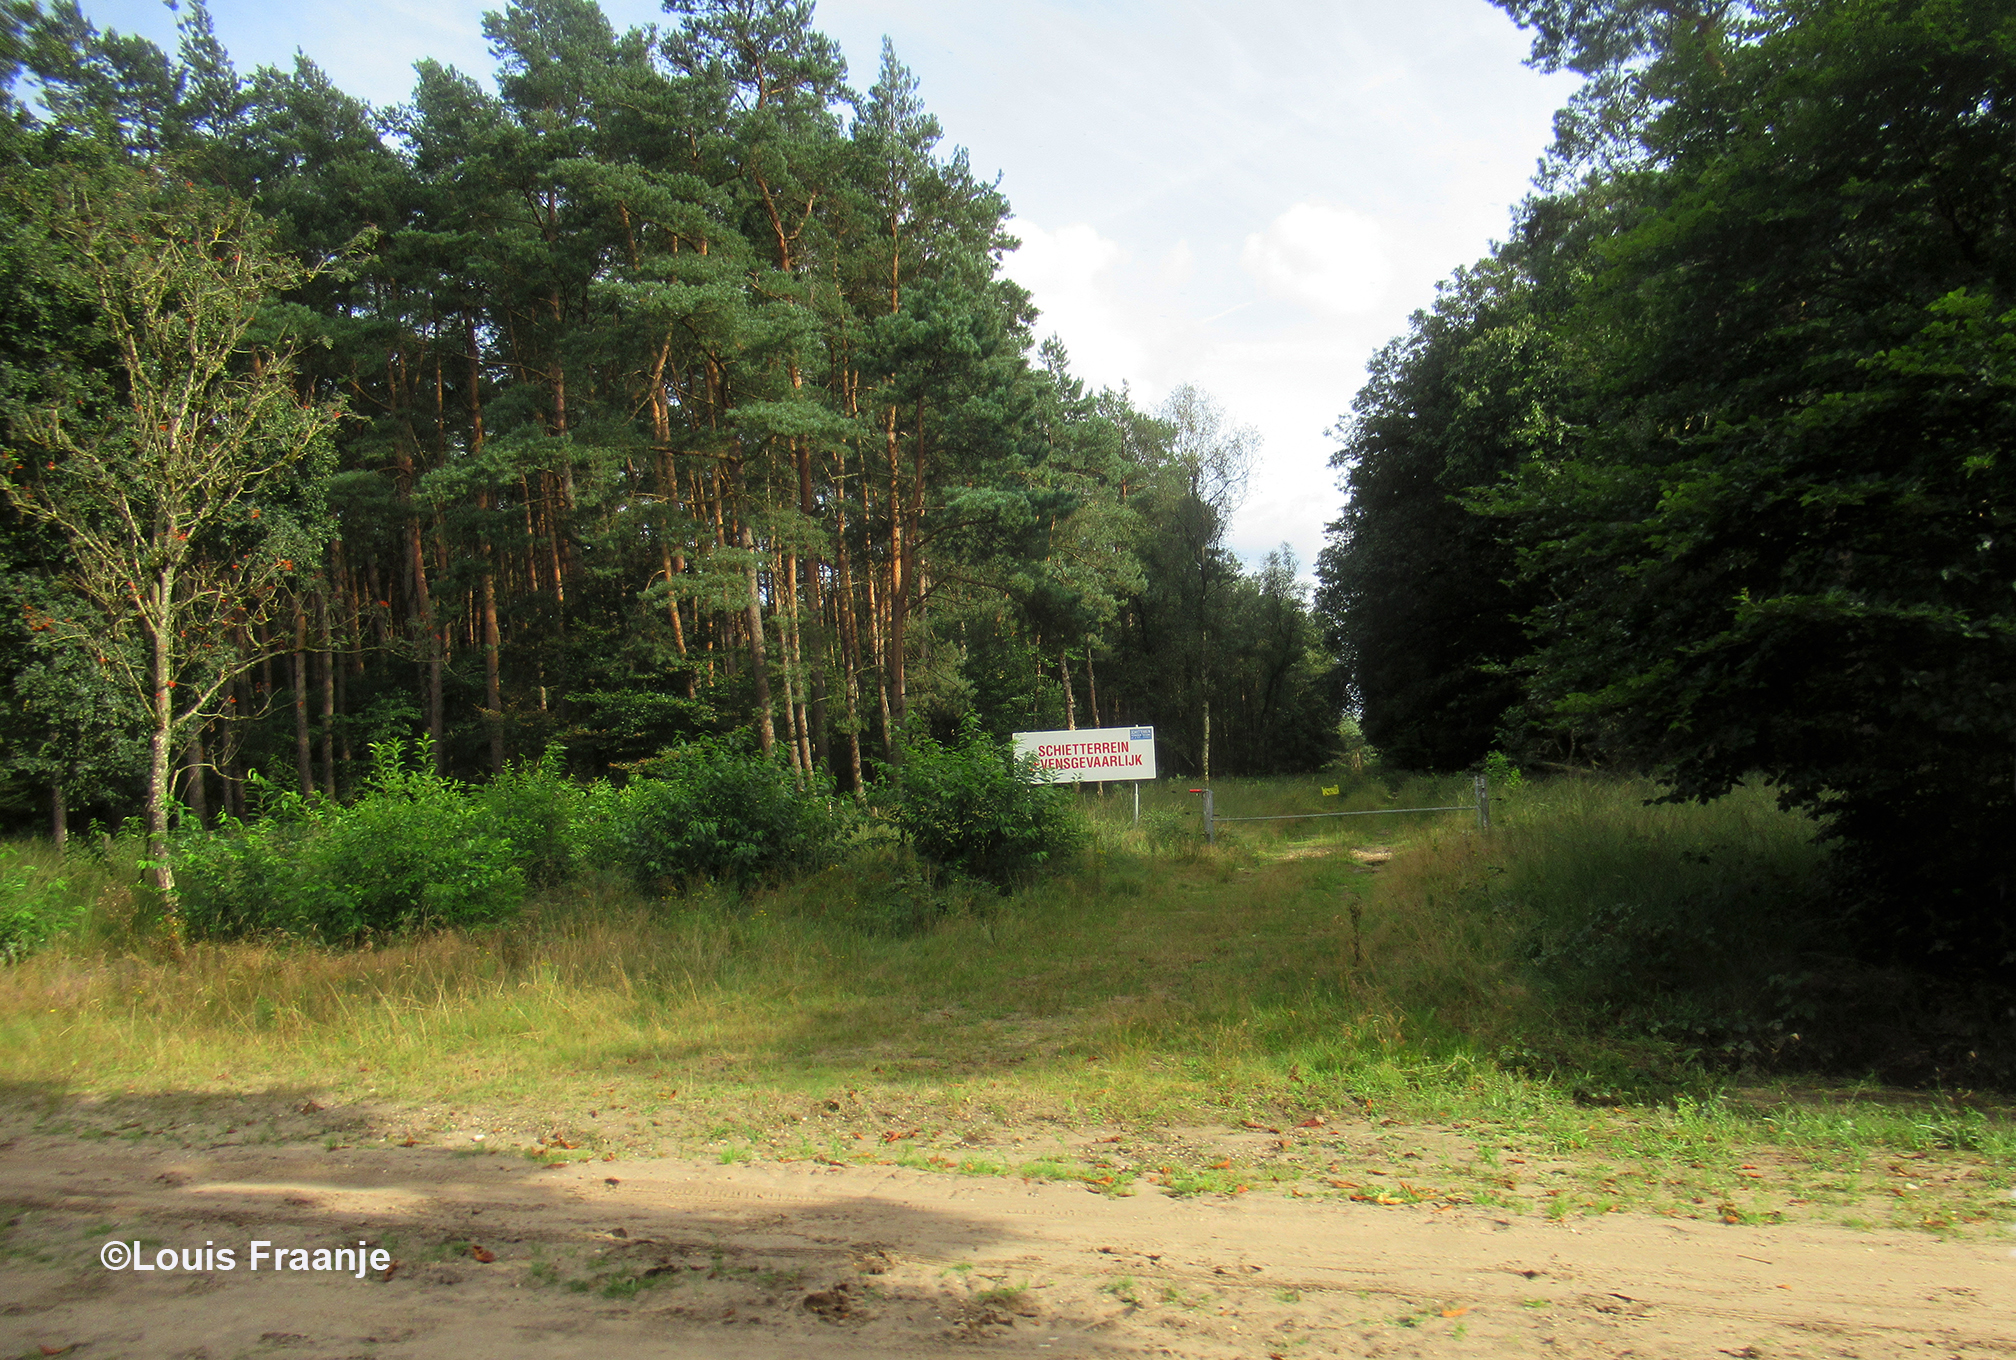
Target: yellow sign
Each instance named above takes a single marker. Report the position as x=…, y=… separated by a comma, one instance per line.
x=1331, y=792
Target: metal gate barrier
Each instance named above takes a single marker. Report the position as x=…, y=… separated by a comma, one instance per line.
x=1482, y=807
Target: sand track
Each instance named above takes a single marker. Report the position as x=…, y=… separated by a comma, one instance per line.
x=696, y=1260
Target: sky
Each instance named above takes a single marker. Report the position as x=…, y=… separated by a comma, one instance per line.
x=1248, y=197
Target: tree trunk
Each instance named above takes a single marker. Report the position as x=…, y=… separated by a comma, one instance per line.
x=667, y=475
x=878, y=649
x=350, y=659
x=430, y=639
x=815, y=715
x=551, y=513
x=893, y=657
x=759, y=661
x=198, y=795
x=493, y=700
x=850, y=639
x=157, y=813
x=228, y=772
x=794, y=668
x=59, y=816
x=328, y=659
x=160, y=738
x=493, y=703
x=1070, y=704
x=304, y=757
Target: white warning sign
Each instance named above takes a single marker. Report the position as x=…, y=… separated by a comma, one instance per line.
x=1092, y=754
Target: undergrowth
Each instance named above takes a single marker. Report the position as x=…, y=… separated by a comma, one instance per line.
x=1404, y=967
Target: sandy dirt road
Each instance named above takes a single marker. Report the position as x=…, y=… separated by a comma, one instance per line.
x=672, y=1258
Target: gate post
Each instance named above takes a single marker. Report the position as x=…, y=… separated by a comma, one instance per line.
x=1483, y=803
x=1210, y=825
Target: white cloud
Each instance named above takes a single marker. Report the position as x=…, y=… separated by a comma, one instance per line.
x=1329, y=259
x=1075, y=275
x=1070, y=258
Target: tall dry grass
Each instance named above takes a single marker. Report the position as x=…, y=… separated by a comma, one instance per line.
x=1155, y=973
x=1152, y=984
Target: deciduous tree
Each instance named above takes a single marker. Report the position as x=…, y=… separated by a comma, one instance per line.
x=187, y=493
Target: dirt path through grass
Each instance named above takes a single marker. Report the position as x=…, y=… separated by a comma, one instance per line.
x=499, y=1256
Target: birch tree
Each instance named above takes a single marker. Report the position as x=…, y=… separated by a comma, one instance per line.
x=187, y=490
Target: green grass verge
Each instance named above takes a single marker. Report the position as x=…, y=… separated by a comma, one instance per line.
x=1292, y=1011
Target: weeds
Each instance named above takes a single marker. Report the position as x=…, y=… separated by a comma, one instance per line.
x=870, y=1012
x=34, y=906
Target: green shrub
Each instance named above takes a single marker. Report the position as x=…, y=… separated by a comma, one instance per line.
x=1504, y=773
x=712, y=810
x=30, y=912
x=974, y=808
x=538, y=809
x=246, y=876
x=414, y=851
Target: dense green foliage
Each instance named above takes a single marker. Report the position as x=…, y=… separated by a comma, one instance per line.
x=1417, y=592
x=31, y=911
x=713, y=810
x=694, y=442
x=971, y=806
x=683, y=393
x=1737, y=395
x=413, y=850
x=541, y=812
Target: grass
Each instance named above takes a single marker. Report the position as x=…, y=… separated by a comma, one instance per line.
x=1269, y=1015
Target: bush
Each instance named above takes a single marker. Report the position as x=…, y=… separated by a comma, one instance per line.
x=414, y=851
x=30, y=912
x=973, y=808
x=713, y=810
x=538, y=809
